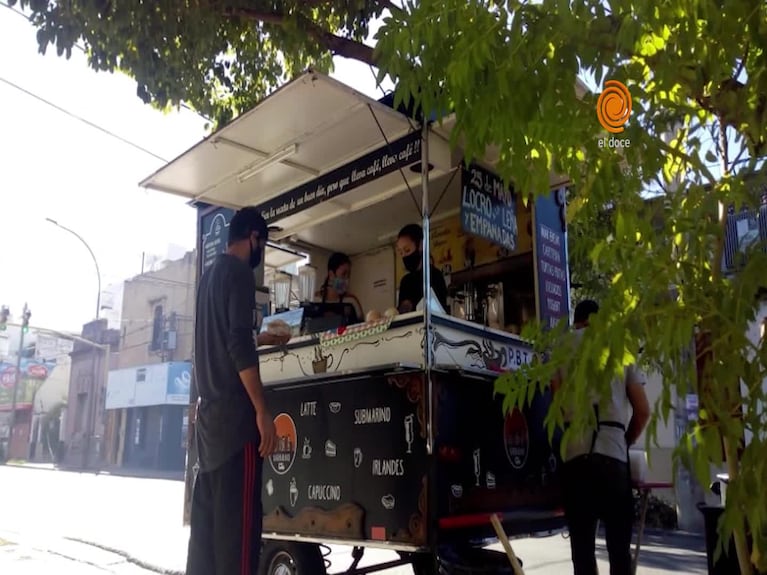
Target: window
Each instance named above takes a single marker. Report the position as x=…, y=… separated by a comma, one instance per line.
x=157, y=329
x=82, y=402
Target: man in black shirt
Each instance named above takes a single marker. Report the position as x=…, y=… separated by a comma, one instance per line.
x=410, y=249
x=234, y=429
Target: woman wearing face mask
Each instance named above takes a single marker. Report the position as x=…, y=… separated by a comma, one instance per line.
x=410, y=249
x=335, y=288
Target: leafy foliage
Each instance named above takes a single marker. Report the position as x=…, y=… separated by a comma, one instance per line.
x=218, y=56
x=696, y=68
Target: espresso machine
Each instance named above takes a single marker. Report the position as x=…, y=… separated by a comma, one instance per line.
x=480, y=303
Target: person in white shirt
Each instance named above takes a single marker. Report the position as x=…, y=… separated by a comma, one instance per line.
x=596, y=471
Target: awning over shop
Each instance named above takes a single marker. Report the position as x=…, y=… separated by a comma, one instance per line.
x=312, y=151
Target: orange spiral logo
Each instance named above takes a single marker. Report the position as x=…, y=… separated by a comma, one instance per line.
x=614, y=106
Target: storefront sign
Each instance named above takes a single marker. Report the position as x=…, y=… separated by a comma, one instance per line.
x=488, y=207
x=33, y=374
x=551, y=257
x=214, y=227
x=390, y=158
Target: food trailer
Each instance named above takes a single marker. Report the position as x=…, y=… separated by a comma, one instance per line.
x=390, y=435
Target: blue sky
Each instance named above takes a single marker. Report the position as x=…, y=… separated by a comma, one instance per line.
x=55, y=166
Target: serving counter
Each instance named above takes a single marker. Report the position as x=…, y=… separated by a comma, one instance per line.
x=353, y=463
x=397, y=341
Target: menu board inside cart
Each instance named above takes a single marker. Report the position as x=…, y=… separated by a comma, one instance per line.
x=351, y=460
x=214, y=234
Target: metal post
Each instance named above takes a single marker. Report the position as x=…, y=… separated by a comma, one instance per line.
x=16, y=381
x=426, y=267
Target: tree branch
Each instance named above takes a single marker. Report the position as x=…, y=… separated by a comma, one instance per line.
x=337, y=45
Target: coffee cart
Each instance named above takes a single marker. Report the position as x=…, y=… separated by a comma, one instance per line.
x=390, y=435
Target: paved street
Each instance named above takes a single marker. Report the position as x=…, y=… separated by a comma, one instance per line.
x=20, y=555
x=141, y=518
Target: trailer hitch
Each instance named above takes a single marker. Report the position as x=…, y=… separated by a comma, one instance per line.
x=358, y=552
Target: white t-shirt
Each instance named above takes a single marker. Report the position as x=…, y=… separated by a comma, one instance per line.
x=610, y=440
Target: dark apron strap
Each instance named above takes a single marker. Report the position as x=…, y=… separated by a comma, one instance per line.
x=600, y=424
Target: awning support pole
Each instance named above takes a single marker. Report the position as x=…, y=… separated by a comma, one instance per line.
x=426, y=266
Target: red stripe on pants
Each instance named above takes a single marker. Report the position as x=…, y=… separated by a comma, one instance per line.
x=249, y=474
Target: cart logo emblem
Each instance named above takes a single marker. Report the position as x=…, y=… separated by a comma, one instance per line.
x=357, y=457
x=516, y=439
x=287, y=439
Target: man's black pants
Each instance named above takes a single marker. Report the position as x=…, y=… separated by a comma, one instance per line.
x=598, y=488
x=226, y=517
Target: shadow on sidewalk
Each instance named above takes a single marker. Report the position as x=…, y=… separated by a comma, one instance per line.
x=673, y=551
x=109, y=470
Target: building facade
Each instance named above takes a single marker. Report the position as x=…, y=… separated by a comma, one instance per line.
x=148, y=394
x=84, y=421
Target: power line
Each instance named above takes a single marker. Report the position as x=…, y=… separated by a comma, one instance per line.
x=81, y=119
x=85, y=51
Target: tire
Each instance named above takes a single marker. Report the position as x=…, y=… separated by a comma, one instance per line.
x=280, y=558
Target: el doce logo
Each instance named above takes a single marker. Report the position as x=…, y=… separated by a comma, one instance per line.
x=613, y=111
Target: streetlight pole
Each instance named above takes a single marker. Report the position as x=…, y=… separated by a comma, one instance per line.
x=93, y=256
x=16, y=381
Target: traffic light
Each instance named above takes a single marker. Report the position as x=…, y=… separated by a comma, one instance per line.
x=4, y=313
x=25, y=320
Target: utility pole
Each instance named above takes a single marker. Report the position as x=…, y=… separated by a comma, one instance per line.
x=17, y=374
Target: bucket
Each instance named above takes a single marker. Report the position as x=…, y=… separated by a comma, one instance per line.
x=473, y=561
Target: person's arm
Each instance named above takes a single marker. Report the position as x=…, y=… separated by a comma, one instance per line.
x=241, y=310
x=405, y=304
x=556, y=381
x=639, y=405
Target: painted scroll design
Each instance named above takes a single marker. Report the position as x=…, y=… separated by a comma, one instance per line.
x=482, y=354
x=321, y=365
x=416, y=530
x=345, y=521
x=284, y=356
x=413, y=385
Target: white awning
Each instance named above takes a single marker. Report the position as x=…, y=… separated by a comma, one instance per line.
x=304, y=129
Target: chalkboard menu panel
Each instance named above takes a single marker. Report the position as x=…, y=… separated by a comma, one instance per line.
x=214, y=234
x=551, y=257
x=745, y=230
x=488, y=207
x=501, y=462
x=351, y=460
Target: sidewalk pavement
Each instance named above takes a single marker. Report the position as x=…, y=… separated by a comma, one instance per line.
x=107, y=470
x=22, y=556
x=141, y=520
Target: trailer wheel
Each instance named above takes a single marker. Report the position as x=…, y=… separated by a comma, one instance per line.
x=278, y=558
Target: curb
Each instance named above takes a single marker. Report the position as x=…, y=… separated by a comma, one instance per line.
x=128, y=557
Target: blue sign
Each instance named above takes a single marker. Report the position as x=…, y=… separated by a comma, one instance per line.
x=551, y=258
x=179, y=382
x=214, y=231
x=488, y=207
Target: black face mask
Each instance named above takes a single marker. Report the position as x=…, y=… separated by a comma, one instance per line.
x=412, y=261
x=255, y=256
